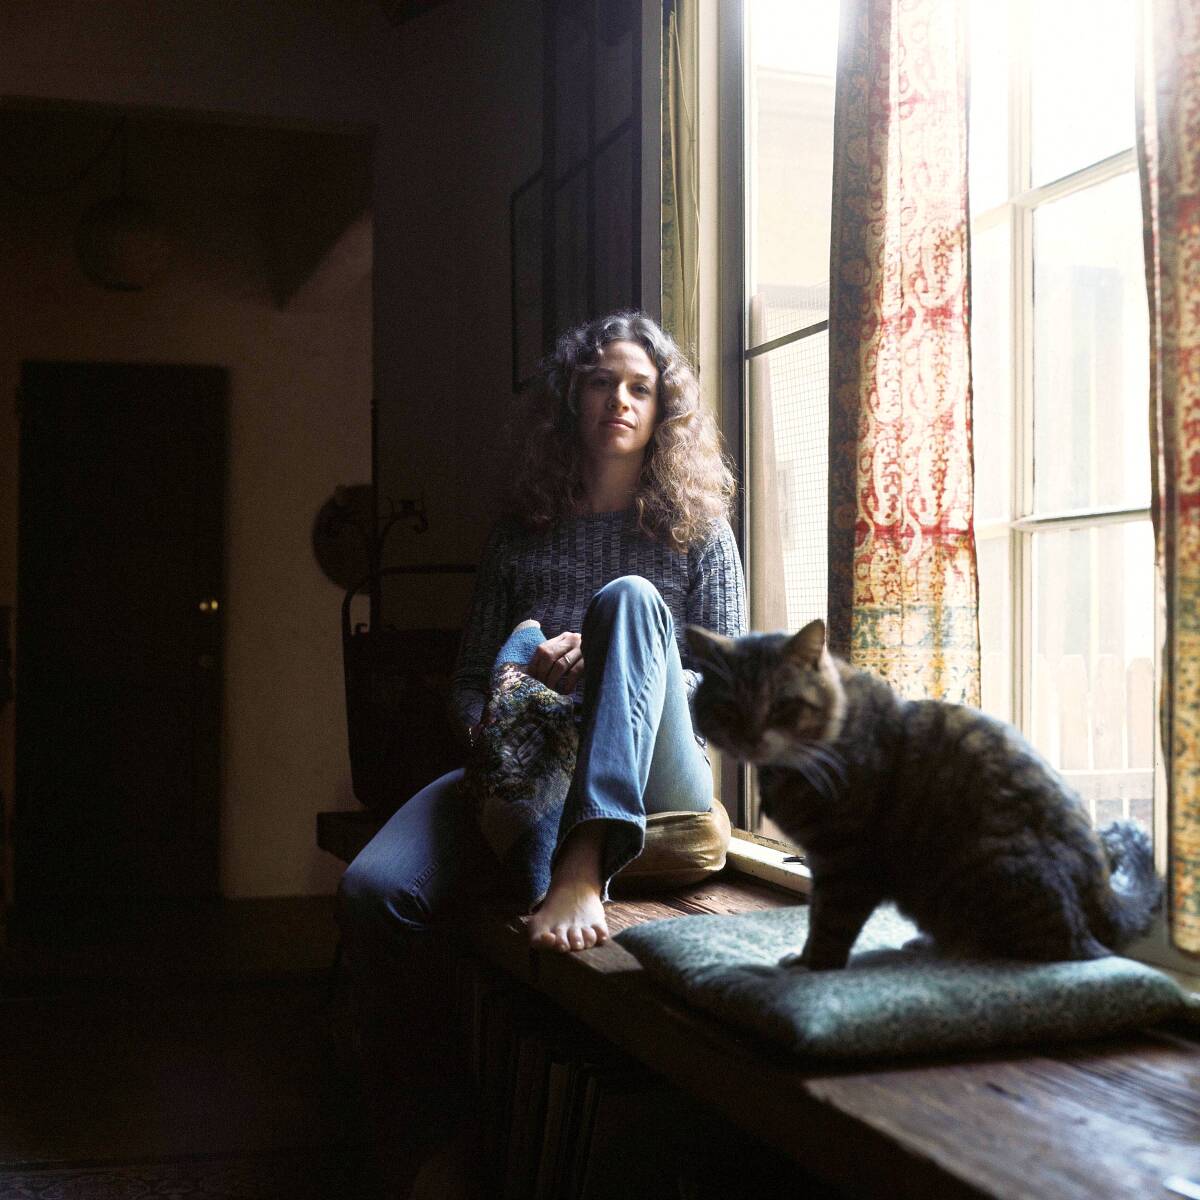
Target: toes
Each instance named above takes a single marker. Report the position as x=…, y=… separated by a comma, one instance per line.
x=544, y=938
x=571, y=934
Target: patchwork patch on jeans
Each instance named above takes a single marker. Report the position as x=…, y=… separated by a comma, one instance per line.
x=519, y=774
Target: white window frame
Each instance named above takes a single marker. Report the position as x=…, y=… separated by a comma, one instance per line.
x=727, y=307
x=1018, y=211
x=736, y=351
x=726, y=21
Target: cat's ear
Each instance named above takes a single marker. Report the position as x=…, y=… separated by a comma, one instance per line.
x=705, y=645
x=807, y=646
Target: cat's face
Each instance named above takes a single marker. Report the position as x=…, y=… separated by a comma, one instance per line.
x=765, y=694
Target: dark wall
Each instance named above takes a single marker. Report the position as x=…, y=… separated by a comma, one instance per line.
x=464, y=130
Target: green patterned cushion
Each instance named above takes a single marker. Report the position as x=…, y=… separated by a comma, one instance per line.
x=890, y=1000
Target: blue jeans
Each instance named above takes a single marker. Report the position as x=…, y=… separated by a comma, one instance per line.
x=637, y=755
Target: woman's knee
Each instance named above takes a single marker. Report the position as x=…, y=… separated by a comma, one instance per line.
x=628, y=592
x=361, y=891
x=407, y=869
x=371, y=898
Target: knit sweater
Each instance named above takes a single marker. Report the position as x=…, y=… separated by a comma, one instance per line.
x=551, y=576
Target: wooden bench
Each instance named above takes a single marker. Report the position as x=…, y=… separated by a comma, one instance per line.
x=1113, y=1118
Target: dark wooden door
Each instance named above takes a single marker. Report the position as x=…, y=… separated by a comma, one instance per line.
x=118, y=637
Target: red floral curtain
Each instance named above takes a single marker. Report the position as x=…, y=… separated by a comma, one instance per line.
x=1169, y=154
x=902, y=582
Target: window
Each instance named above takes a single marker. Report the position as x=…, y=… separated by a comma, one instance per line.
x=1059, y=362
x=1060, y=367
x=789, y=67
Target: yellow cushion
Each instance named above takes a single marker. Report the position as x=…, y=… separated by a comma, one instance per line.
x=681, y=848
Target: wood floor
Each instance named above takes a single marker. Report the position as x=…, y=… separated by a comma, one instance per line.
x=178, y=1050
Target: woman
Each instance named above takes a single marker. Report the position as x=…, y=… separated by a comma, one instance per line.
x=618, y=539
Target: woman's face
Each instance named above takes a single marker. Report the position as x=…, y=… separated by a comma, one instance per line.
x=618, y=402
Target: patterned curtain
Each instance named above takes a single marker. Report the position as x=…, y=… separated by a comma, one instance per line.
x=1169, y=156
x=902, y=581
x=680, y=169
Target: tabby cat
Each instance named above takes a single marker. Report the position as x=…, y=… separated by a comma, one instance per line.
x=942, y=809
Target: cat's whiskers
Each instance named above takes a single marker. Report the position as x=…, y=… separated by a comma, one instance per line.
x=830, y=759
x=821, y=767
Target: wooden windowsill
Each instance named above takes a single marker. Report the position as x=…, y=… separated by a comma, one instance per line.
x=1084, y=1121
x=765, y=859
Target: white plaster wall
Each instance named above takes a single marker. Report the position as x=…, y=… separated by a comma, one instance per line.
x=301, y=383
x=456, y=95
x=298, y=426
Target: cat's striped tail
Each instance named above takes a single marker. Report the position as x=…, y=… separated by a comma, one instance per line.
x=1136, y=891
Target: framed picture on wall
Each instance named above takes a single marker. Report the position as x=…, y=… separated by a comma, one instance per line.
x=525, y=232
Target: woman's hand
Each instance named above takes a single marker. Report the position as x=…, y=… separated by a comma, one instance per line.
x=558, y=662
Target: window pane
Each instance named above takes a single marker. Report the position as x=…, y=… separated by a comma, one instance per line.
x=988, y=140
x=991, y=373
x=1091, y=435
x=1093, y=673
x=791, y=60
x=1081, y=80
x=789, y=452
x=995, y=626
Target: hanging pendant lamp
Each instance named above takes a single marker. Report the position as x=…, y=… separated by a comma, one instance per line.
x=120, y=243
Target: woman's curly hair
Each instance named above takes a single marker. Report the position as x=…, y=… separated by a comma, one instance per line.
x=686, y=483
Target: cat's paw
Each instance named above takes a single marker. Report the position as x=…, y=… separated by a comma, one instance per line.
x=794, y=962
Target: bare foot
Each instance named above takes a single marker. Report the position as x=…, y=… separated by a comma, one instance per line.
x=570, y=918
x=572, y=915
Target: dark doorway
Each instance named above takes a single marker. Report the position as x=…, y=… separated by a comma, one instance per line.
x=119, y=631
